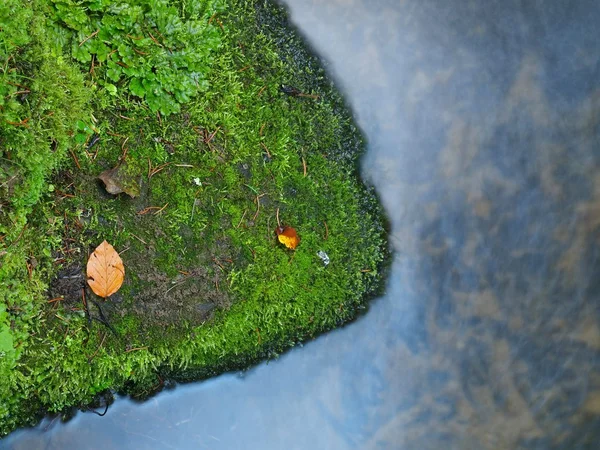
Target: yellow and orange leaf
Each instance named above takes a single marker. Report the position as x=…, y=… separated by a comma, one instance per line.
x=288, y=237
x=105, y=270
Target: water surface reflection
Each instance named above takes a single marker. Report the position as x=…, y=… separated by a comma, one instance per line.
x=483, y=121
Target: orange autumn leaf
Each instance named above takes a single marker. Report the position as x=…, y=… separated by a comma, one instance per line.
x=287, y=236
x=105, y=270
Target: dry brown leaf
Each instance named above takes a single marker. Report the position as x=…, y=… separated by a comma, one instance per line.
x=288, y=237
x=121, y=179
x=105, y=270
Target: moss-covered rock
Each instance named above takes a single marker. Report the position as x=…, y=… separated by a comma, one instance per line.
x=208, y=287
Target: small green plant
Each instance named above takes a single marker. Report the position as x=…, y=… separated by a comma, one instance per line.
x=83, y=132
x=157, y=51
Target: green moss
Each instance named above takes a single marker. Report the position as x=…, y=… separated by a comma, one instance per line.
x=208, y=288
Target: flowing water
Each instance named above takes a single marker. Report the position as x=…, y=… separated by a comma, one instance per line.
x=483, y=123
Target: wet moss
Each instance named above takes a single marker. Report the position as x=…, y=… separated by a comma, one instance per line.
x=208, y=288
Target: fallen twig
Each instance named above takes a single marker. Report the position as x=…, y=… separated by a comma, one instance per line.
x=147, y=210
x=243, y=215
x=266, y=149
x=89, y=37
x=96, y=412
x=161, y=209
x=136, y=348
x=22, y=123
x=91, y=358
x=257, y=206
x=139, y=239
x=85, y=305
x=212, y=135
x=154, y=170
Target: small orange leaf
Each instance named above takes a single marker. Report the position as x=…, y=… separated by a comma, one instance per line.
x=287, y=236
x=105, y=270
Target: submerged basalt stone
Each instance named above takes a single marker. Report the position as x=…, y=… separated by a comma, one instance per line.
x=208, y=288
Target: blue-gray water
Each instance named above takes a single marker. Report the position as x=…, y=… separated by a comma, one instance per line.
x=483, y=122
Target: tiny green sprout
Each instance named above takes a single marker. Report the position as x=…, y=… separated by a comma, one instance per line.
x=111, y=89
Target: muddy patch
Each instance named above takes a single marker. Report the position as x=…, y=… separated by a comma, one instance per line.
x=162, y=296
x=68, y=286
x=149, y=293
x=189, y=297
